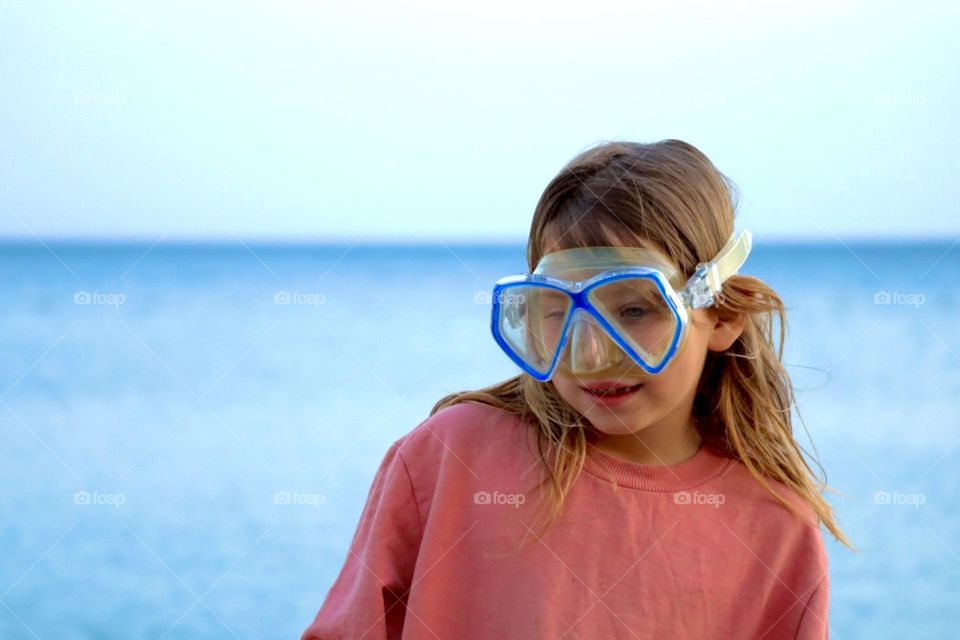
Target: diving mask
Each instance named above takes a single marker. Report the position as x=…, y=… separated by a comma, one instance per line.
x=594, y=310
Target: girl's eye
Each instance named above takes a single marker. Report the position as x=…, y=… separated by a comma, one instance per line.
x=634, y=313
x=554, y=315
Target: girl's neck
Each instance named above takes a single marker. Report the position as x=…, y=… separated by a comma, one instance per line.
x=667, y=442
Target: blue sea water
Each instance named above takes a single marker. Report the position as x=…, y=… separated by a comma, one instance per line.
x=189, y=431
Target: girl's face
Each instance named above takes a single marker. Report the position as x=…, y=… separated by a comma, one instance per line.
x=664, y=398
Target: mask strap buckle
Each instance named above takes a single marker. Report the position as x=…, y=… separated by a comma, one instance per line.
x=708, y=277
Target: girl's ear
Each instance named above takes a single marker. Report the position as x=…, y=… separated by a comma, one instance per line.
x=726, y=330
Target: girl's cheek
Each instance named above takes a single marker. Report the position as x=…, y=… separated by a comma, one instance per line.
x=563, y=389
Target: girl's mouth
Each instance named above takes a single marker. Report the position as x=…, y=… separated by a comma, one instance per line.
x=612, y=394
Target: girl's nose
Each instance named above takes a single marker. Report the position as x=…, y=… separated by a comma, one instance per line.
x=591, y=349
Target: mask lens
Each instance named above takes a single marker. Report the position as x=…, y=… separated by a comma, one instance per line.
x=638, y=312
x=589, y=349
x=530, y=320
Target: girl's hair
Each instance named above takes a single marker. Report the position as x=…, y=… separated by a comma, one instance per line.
x=669, y=195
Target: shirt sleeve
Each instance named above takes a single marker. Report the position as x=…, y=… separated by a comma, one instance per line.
x=813, y=621
x=368, y=598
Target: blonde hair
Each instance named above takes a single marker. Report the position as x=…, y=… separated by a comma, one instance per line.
x=670, y=195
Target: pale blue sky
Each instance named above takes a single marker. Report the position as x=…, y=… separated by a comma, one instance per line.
x=424, y=120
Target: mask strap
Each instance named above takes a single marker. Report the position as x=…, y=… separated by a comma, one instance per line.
x=708, y=277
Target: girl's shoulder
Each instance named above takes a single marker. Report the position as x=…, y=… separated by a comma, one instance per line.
x=466, y=430
x=782, y=509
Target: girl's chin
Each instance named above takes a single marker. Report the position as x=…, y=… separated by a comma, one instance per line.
x=617, y=425
x=617, y=430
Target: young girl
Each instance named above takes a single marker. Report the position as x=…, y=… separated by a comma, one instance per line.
x=639, y=478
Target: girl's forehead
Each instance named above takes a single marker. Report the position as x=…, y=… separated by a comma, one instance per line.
x=554, y=240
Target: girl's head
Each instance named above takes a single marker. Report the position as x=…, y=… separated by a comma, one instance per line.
x=647, y=314
x=727, y=378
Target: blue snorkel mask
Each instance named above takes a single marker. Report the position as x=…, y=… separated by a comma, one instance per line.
x=598, y=310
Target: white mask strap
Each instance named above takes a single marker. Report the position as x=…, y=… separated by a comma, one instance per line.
x=707, y=279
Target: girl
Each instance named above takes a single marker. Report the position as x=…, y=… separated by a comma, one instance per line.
x=639, y=478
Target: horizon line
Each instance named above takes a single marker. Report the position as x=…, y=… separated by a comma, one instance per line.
x=411, y=241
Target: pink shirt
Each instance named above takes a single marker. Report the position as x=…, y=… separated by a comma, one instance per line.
x=694, y=550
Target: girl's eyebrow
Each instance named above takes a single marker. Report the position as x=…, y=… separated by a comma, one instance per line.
x=553, y=296
x=633, y=294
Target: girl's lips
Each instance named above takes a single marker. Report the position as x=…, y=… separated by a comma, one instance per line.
x=603, y=386
x=611, y=394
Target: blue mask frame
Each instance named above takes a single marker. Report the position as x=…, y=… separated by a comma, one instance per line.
x=579, y=292
x=699, y=292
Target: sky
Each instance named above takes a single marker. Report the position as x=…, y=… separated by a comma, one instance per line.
x=441, y=121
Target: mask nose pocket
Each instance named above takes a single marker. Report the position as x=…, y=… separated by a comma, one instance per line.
x=590, y=348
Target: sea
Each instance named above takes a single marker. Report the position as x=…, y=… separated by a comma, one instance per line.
x=190, y=430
